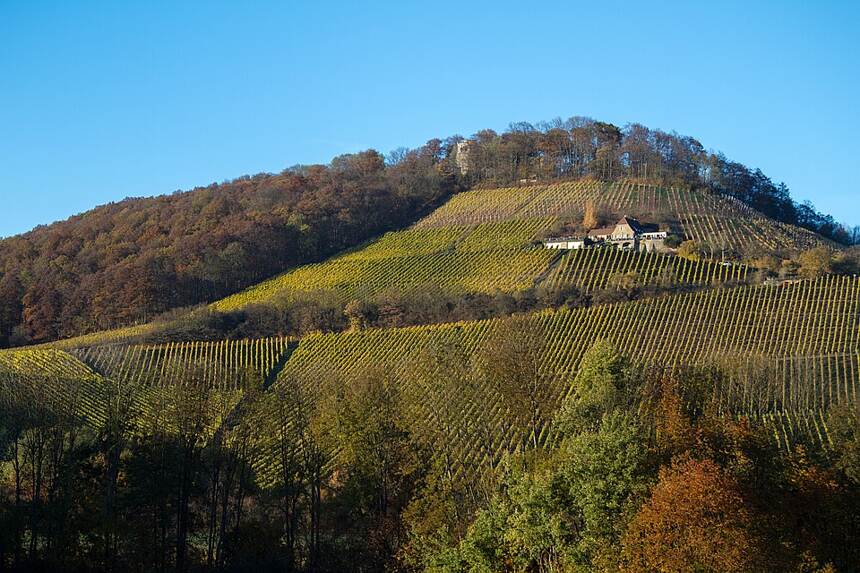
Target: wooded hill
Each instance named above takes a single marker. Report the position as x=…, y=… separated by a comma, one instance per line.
x=129, y=261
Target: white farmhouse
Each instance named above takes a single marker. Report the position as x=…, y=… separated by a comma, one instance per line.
x=627, y=234
x=571, y=243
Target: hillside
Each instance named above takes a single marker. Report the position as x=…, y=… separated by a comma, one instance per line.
x=719, y=221
x=392, y=392
x=807, y=335
x=258, y=417
x=815, y=320
x=126, y=262
x=810, y=330
x=484, y=240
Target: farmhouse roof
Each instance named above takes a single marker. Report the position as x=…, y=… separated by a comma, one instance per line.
x=601, y=231
x=633, y=223
x=637, y=226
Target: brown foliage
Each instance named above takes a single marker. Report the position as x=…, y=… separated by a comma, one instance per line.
x=673, y=429
x=589, y=219
x=696, y=520
x=126, y=262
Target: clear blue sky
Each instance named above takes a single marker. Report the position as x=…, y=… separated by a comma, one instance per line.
x=104, y=100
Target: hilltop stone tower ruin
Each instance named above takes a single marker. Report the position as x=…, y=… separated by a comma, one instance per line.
x=461, y=156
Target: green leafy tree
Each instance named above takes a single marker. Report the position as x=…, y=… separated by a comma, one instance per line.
x=603, y=473
x=378, y=466
x=484, y=549
x=600, y=386
x=539, y=525
x=567, y=511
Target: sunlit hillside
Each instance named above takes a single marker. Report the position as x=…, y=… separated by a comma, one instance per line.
x=486, y=240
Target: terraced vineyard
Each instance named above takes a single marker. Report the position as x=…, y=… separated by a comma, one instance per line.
x=501, y=269
x=46, y=363
x=54, y=379
x=484, y=258
x=469, y=264
x=717, y=220
x=792, y=428
x=484, y=240
x=804, y=337
x=814, y=318
x=86, y=381
x=225, y=364
x=807, y=334
x=593, y=269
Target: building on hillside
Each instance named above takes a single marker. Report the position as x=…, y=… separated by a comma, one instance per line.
x=627, y=234
x=601, y=234
x=572, y=243
x=654, y=242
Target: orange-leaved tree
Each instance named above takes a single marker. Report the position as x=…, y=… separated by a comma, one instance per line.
x=695, y=521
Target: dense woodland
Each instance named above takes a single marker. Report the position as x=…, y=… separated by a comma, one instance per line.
x=128, y=262
x=643, y=474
